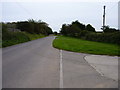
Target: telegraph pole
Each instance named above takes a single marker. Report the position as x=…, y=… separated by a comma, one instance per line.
x=104, y=18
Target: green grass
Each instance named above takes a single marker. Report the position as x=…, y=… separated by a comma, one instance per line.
x=12, y=38
x=84, y=46
x=34, y=36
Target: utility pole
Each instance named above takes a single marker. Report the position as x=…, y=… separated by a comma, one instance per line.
x=104, y=18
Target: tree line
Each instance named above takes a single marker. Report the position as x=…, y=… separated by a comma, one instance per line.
x=88, y=32
x=75, y=29
x=30, y=26
x=23, y=31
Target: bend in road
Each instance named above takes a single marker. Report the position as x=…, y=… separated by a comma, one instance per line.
x=36, y=64
x=33, y=64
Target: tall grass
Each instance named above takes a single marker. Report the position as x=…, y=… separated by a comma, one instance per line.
x=12, y=38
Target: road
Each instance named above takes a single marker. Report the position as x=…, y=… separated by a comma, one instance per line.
x=36, y=64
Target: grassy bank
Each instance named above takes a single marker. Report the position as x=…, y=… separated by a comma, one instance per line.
x=12, y=38
x=34, y=36
x=84, y=46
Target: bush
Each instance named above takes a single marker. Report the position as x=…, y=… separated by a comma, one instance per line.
x=32, y=26
x=104, y=37
x=78, y=30
x=12, y=38
x=30, y=30
x=90, y=28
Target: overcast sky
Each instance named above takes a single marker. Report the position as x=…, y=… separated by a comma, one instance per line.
x=58, y=13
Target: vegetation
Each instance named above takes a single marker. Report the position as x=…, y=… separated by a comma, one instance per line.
x=107, y=29
x=32, y=26
x=12, y=38
x=34, y=36
x=87, y=32
x=55, y=33
x=90, y=28
x=19, y=32
x=84, y=46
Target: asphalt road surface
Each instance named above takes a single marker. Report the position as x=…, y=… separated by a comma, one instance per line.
x=36, y=64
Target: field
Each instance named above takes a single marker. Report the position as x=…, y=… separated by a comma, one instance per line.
x=84, y=46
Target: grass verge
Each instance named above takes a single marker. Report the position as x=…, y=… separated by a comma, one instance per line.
x=84, y=46
x=12, y=38
x=34, y=36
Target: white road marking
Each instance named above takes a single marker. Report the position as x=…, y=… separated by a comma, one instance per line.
x=61, y=70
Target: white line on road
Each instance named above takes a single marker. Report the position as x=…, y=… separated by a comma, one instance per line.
x=61, y=70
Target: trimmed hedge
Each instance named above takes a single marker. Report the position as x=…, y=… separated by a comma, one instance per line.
x=113, y=38
x=79, y=30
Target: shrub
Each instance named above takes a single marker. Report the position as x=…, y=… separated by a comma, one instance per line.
x=78, y=30
x=90, y=28
x=11, y=38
